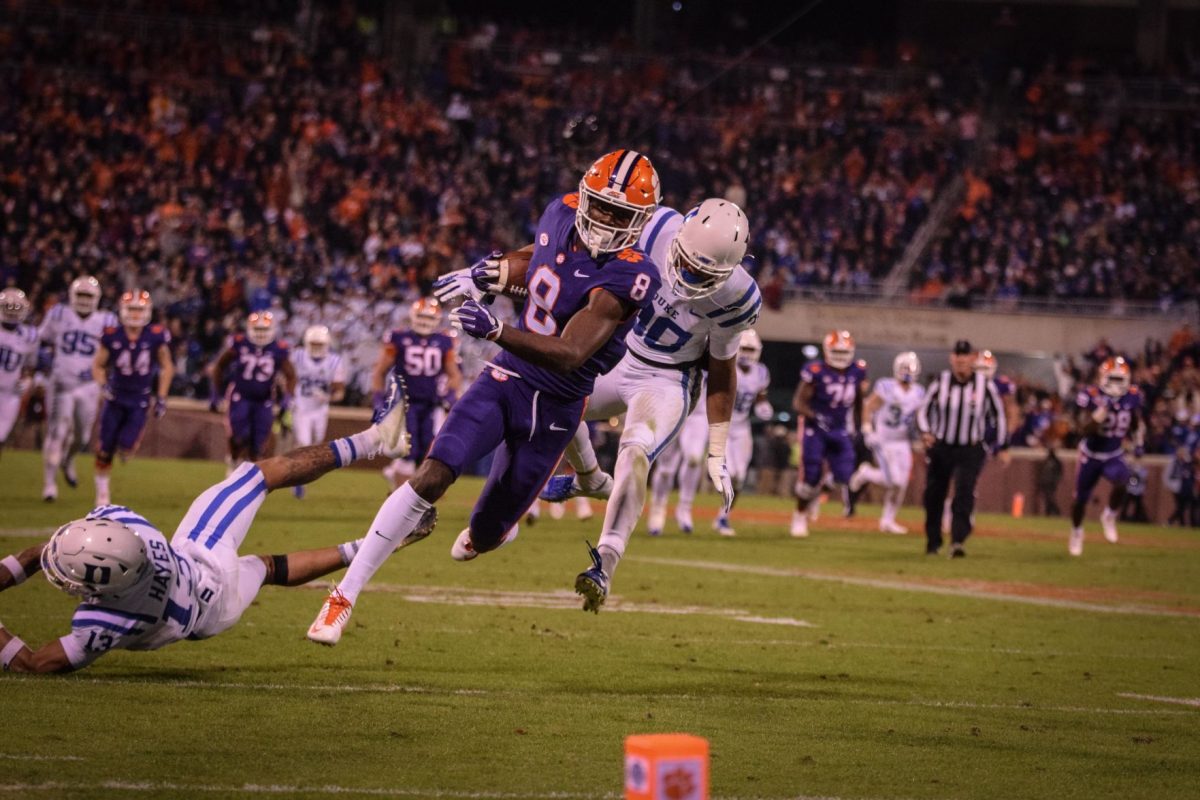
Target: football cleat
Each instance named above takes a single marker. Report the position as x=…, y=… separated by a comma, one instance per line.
x=891, y=526
x=859, y=479
x=463, y=550
x=683, y=518
x=1075, y=543
x=556, y=511
x=799, y=524
x=561, y=488
x=424, y=528
x=592, y=583
x=391, y=420
x=1108, y=524
x=957, y=551
x=327, y=628
x=721, y=525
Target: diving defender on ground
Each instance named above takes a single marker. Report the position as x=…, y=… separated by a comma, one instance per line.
x=141, y=592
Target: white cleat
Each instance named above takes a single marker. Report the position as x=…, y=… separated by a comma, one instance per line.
x=1108, y=524
x=463, y=550
x=890, y=526
x=683, y=518
x=857, y=480
x=1075, y=543
x=556, y=511
x=721, y=525
x=392, y=421
x=327, y=628
x=799, y=524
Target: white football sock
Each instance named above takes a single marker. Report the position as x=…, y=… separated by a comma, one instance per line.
x=349, y=449
x=396, y=519
x=626, y=502
x=348, y=550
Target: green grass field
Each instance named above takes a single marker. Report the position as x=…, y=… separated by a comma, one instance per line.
x=847, y=665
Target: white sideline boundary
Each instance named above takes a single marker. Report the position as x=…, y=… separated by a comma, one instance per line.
x=914, y=586
x=335, y=790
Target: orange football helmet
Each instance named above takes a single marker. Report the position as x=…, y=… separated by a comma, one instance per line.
x=617, y=196
x=426, y=316
x=1115, y=377
x=985, y=362
x=134, y=308
x=839, y=349
x=260, y=328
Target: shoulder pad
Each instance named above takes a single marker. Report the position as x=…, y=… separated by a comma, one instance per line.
x=282, y=344
x=239, y=338
x=571, y=200
x=813, y=367
x=156, y=328
x=110, y=331
x=1093, y=391
x=1134, y=389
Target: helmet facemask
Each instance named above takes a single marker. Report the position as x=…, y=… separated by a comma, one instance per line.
x=260, y=329
x=14, y=307
x=84, y=295
x=608, y=224
x=135, y=309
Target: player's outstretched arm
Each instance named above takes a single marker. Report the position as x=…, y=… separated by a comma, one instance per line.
x=580, y=339
x=16, y=656
x=15, y=569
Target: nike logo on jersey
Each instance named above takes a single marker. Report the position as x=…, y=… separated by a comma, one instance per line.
x=579, y=274
x=554, y=427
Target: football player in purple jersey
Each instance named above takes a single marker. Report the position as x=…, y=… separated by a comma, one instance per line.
x=584, y=284
x=427, y=362
x=828, y=402
x=247, y=375
x=133, y=363
x=1107, y=413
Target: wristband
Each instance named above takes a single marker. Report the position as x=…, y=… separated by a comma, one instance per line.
x=14, y=646
x=718, y=434
x=14, y=568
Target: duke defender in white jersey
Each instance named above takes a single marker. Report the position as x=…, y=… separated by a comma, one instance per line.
x=18, y=355
x=752, y=381
x=695, y=322
x=72, y=395
x=320, y=380
x=888, y=430
x=142, y=592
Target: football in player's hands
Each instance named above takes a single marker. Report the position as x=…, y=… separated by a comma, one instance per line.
x=1099, y=415
x=502, y=273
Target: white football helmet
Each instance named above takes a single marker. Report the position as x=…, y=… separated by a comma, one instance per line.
x=260, y=328
x=906, y=368
x=135, y=308
x=749, y=348
x=839, y=349
x=985, y=362
x=425, y=316
x=84, y=295
x=617, y=196
x=710, y=244
x=95, y=558
x=316, y=341
x=1115, y=377
x=14, y=307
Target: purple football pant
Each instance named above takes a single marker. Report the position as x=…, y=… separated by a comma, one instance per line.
x=529, y=431
x=1089, y=471
x=250, y=425
x=420, y=419
x=834, y=447
x=122, y=422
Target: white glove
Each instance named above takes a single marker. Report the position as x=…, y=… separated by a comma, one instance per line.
x=454, y=285
x=871, y=438
x=719, y=473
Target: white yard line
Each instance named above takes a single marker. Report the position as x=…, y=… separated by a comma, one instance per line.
x=377, y=688
x=26, y=533
x=558, y=601
x=1180, y=701
x=30, y=757
x=914, y=586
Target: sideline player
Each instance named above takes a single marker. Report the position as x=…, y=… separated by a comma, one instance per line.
x=320, y=380
x=585, y=281
x=428, y=362
x=126, y=363
x=140, y=592
x=1107, y=414
x=684, y=458
x=694, y=323
x=888, y=431
x=828, y=402
x=73, y=332
x=753, y=380
x=18, y=356
x=246, y=375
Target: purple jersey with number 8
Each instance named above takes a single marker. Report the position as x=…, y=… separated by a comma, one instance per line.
x=560, y=282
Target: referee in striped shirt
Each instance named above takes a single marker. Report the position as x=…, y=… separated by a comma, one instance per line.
x=953, y=421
